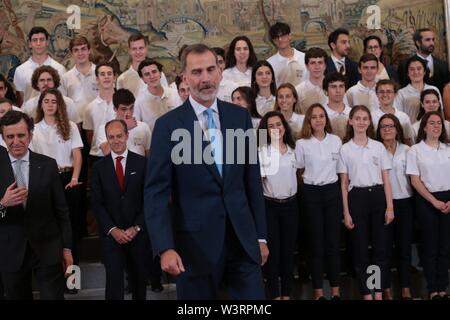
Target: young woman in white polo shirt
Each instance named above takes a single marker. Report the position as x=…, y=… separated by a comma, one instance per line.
x=367, y=197
x=428, y=164
x=317, y=154
x=264, y=86
x=57, y=137
x=279, y=179
x=429, y=101
x=285, y=102
x=240, y=60
x=390, y=133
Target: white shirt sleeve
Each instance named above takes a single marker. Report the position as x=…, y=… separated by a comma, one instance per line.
x=88, y=123
x=101, y=136
x=147, y=136
x=19, y=82
x=386, y=162
x=412, y=166
x=342, y=163
x=299, y=155
x=75, y=136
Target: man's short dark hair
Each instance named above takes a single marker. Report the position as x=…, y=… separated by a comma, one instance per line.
x=418, y=35
x=36, y=30
x=123, y=97
x=315, y=52
x=135, y=37
x=219, y=51
x=332, y=38
x=197, y=48
x=6, y=100
x=334, y=77
x=13, y=117
x=386, y=82
x=366, y=58
x=279, y=29
x=105, y=64
x=122, y=122
x=149, y=62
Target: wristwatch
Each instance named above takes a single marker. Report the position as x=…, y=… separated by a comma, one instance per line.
x=2, y=211
x=137, y=228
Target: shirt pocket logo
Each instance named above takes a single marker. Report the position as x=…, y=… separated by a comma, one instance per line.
x=376, y=161
x=335, y=156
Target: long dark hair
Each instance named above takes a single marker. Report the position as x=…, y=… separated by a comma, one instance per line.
x=398, y=127
x=350, y=132
x=231, y=59
x=421, y=135
x=422, y=97
x=287, y=137
x=10, y=92
x=249, y=97
x=255, y=86
x=61, y=117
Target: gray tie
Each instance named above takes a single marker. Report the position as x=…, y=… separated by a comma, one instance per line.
x=20, y=180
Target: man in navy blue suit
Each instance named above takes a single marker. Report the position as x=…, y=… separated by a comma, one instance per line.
x=338, y=61
x=217, y=231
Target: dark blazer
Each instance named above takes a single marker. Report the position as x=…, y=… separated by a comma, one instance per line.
x=351, y=68
x=202, y=199
x=45, y=222
x=112, y=207
x=439, y=79
x=392, y=73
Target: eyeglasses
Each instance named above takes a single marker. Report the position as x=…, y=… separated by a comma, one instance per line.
x=387, y=126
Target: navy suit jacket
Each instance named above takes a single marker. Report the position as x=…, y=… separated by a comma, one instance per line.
x=112, y=207
x=44, y=223
x=202, y=199
x=351, y=71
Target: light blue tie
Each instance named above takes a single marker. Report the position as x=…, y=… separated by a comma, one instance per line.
x=216, y=145
x=20, y=180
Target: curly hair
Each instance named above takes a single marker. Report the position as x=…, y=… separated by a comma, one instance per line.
x=61, y=117
x=37, y=73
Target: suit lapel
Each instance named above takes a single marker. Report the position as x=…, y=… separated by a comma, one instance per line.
x=128, y=169
x=190, y=120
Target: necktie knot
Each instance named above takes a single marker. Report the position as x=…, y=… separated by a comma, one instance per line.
x=119, y=158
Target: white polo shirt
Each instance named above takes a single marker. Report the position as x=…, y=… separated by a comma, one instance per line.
x=30, y=108
x=148, y=107
x=226, y=88
x=334, y=114
x=239, y=78
x=139, y=138
x=338, y=120
x=23, y=73
x=361, y=95
x=416, y=126
x=400, y=184
x=408, y=132
x=97, y=113
x=130, y=80
x=264, y=105
x=431, y=165
x=408, y=100
x=364, y=164
x=82, y=89
x=319, y=158
x=278, y=172
x=296, y=123
x=47, y=141
x=308, y=93
x=282, y=67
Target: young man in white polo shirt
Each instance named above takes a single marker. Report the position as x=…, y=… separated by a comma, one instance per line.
x=139, y=134
x=43, y=78
x=334, y=86
x=156, y=99
x=311, y=90
x=101, y=109
x=288, y=63
x=386, y=91
x=130, y=79
x=38, y=43
x=79, y=83
x=363, y=93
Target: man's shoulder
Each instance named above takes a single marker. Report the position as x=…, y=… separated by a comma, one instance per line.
x=100, y=163
x=42, y=159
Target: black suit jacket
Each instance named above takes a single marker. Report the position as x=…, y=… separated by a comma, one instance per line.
x=351, y=71
x=112, y=207
x=44, y=224
x=439, y=79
